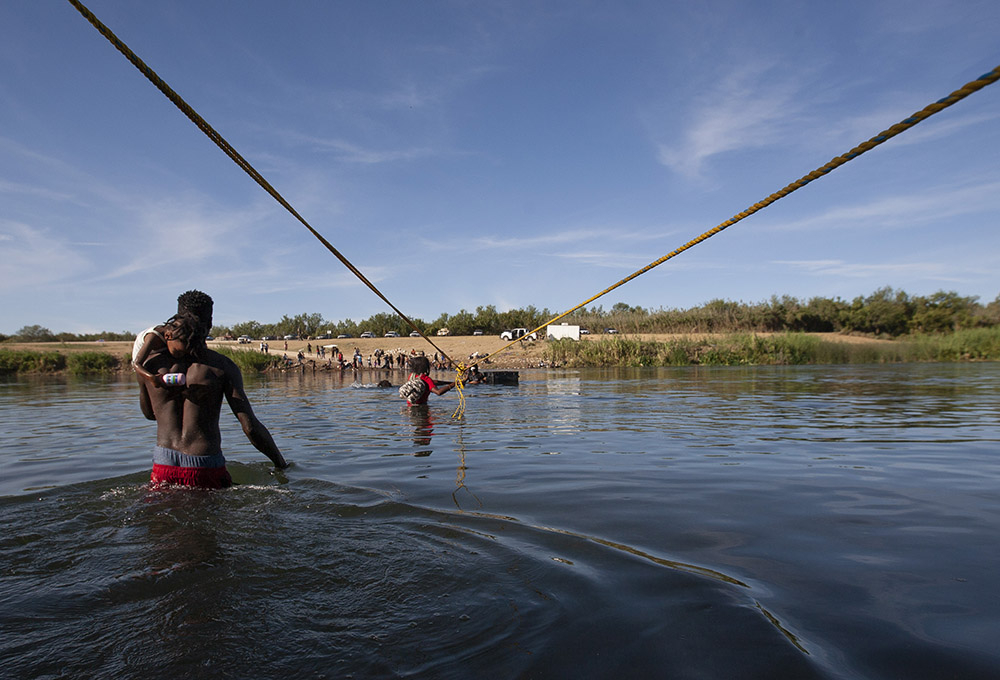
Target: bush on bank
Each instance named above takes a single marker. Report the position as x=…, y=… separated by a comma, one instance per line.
x=744, y=349
x=79, y=363
x=87, y=363
x=23, y=361
x=249, y=361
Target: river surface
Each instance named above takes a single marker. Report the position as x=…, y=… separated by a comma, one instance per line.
x=817, y=522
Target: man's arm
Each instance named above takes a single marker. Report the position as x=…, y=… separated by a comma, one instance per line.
x=255, y=431
x=441, y=388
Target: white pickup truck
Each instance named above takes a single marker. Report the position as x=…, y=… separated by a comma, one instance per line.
x=518, y=334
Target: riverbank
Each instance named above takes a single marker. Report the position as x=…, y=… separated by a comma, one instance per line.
x=458, y=348
x=594, y=350
x=777, y=349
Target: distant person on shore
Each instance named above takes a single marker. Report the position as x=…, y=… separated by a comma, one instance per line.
x=188, y=447
x=151, y=341
x=418, y=388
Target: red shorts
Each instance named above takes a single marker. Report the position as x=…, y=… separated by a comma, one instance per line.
x=206, y=478
x=176, y=467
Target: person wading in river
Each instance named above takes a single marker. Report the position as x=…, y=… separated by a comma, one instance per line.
x=186, y=409
x=418, y=388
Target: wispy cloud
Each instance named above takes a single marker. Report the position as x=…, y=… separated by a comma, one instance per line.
x=902, y=210
x=34, y=191
x=350, y=152
x=889, y=271
x=604, y=258
x=182, y=233
x=749, y=108
x=540, y=241
x=547, y=242
x=852, y=130
x=758, y=106
x=33, y=258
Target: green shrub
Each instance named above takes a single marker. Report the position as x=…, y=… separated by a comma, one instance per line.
x=964, y=345
x=23, y=361
x=250, y=361
x=83, y=363
x=740, y=349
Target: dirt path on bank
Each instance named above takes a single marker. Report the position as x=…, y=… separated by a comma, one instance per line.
x=459, y=348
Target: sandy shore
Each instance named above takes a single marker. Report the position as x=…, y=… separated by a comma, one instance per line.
x=459, y=348
x=462, y=347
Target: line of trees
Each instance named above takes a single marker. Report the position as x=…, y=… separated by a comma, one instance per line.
x=886, y=313
x=486, y=319
x=38, y=333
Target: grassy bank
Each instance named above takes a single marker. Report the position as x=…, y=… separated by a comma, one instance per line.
x=980, y=344
x=250, y=361
x=14, y=361
x=76, y=363
x=745, y=349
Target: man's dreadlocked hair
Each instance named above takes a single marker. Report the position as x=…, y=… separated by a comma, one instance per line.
x=199, y=305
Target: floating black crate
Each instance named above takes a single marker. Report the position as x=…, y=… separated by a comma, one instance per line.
x=500, y=377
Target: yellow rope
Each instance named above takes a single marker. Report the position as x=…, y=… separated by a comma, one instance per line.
x=212, y=134
x=460, y=409
x=928, y=111
x=460, y=475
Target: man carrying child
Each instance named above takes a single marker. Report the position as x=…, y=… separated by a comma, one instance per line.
x=184, y=397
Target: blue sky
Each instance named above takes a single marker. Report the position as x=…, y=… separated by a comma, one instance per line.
x=476, y=153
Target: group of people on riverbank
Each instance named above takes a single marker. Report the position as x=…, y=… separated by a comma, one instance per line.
x=182, y=384
x=379, y=360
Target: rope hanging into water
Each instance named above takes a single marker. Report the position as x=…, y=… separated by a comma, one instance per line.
x=928, y=111
x=459, y=386
x=212, y=134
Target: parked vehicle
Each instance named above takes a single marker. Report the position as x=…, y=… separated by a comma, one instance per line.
x=414, y=334
x=584, y=331
x=367, y=334
x=477, y=332
x=244, y=339
x=444, y=331
x=562, y=331
x=611, y=331
x=518, y=334
x=343, y=335
x=391, y=334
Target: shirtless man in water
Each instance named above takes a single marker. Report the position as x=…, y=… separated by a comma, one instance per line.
x=188, y=441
